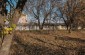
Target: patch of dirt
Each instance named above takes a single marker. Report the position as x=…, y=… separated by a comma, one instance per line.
x=48, y=43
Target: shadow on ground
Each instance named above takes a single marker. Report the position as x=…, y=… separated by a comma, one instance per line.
x=29, y=49
x=20, y=48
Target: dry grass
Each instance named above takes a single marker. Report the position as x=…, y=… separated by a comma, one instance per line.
x=47, y=42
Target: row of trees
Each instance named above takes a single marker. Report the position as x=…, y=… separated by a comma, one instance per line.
x=74, y=11
x=71, y=11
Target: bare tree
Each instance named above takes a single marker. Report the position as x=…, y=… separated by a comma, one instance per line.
x=14, y=11
x=17, y=11
x=72, y=9
x=40, y=10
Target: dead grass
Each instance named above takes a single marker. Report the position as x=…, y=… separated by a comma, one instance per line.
x=47, y=42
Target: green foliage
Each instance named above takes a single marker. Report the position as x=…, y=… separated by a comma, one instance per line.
x=13, y=26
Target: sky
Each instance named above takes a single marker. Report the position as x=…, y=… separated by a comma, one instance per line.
x=14, y=3
x=8, y=6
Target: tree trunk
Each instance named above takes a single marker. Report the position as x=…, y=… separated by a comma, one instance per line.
x=43, y=24
x=16, y=16
x=69, y=31
x=2, y=19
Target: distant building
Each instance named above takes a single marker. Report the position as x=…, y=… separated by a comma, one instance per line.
x=22, y=22
x=23, y=19
x=61, y=26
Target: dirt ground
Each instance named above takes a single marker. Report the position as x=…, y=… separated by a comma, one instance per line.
x=48, y=43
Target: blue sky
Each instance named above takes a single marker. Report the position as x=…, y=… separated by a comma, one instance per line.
x=13, y=3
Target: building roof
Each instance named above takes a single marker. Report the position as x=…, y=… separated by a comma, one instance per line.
x=23, y=19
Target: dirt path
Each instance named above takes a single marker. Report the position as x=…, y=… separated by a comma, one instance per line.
x=6, y=45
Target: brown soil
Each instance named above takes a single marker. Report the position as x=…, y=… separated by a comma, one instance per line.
x=48, y=43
